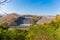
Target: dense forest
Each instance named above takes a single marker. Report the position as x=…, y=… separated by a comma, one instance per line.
x=46, y=31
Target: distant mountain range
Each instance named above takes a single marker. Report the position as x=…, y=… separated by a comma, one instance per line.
x=45, y=19
x=15, y=19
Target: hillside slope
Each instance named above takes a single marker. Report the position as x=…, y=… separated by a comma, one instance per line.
x=9, y=18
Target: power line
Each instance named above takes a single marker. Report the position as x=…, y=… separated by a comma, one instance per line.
x=3, y=11
x=2, y=2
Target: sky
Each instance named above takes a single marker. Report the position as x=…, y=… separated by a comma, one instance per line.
x=33, y=7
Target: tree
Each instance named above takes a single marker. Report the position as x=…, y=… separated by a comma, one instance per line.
x=4, y=25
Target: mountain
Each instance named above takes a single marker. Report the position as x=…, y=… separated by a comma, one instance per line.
x=46, y=19
x=33, y=18
x=27, y=19
x=15, y=19
x=9, y=18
